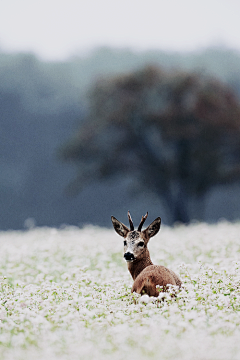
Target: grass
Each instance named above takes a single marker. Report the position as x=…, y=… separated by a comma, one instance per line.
x=65, y=294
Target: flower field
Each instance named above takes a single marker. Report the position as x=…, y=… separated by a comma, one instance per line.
x=65, y=294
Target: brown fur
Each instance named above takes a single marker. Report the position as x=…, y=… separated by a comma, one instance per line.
x=146, y=276
x=153, y=275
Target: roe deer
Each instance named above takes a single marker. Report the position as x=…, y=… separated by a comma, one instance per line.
x=146, y=276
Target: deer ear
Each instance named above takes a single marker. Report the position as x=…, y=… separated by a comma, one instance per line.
x=153, y=228
x=120, y=228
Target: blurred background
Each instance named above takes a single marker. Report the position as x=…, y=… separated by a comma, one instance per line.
x=109, y=106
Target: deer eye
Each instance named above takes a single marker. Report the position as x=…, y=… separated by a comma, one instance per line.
x=125, y=243
x=141, y=243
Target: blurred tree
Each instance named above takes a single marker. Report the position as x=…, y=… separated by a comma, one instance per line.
x=176, y=132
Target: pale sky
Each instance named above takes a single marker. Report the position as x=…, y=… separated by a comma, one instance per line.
x=58, y=29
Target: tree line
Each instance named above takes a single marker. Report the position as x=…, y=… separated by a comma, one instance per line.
x=43, y=104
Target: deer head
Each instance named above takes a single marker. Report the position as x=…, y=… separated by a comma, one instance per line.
x=135, y=241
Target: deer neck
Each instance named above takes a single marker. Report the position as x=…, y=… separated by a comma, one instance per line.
x=138, y=265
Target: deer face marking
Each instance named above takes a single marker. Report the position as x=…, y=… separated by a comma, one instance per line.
x=135, y=241
x=134, y=245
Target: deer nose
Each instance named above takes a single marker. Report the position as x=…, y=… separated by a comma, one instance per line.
x=129, y=256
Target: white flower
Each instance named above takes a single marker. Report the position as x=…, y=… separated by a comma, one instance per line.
x=61, y=300
x=144, y=299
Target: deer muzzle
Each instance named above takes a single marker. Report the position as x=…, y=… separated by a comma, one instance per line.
x=129, y=256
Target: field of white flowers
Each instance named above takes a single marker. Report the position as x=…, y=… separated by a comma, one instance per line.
x=65, y=294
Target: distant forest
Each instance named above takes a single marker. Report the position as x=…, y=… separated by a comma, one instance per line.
x=42, y=104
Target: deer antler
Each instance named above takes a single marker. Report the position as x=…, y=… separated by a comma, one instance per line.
x=142, y=222
x=130, y=221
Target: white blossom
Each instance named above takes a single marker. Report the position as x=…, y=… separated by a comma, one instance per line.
x=66, y=294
